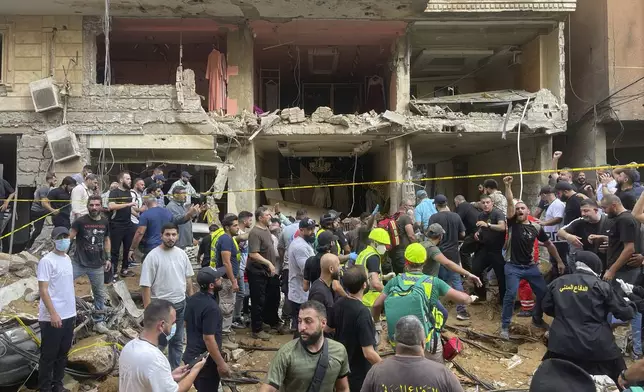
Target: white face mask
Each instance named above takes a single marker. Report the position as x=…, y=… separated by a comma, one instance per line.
x=381, y=249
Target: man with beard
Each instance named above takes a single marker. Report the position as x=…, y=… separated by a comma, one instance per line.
x=295, y=365
x=167, y=274
x=57, y=203
x=626, y=190
x=551, y=223
x=491, y=188
x=491, y=236
x=204, y=329
x=577, y=232
x=580, y=304
x=299, y=251
x=322, y=288
x=121, y=227
x=567, y=194
x=262, y=280
x=81, y=193
x=623, y=239
x=91, y=258
x=243, y=295
x=38, y=209
x=226, y=257
x=583, y=186
x=184, y=182
x=520, y=263
x=179, y=210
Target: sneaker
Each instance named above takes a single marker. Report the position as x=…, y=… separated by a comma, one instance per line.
x=134, y=264
x=114, y=279
x=237, y=325
x=462, y=315
x=127, y=274
x=525, y=313
x=635, y=356
x=261, y=335
x=266, y=328
x=229, y=343
x=284, y=329
x=100, y=327
x=541, y=324
x=505, y=333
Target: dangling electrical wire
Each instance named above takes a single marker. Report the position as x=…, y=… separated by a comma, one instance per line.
x=107, y=81
x=353, y=188
x=525, y=108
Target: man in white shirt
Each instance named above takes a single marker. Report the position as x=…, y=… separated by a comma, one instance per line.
x=167, y=274
x=552, y=222
x=57, y=311
x=80, y=194
x=142, y=367
x=300, y=250
x=184, y=182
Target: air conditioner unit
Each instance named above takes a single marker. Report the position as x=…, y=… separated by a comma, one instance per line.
x=62, y=144
x=44, y=94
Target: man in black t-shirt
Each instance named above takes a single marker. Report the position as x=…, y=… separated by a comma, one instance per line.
x=519, y=259
x=322, y=288
x=204, y=330
x=568, y=195
x=491, y=236
x=406, y=235
x=469, y=216
x=626, y=187
x=121, y=227
x=91, y=258
x=579, y=230
x=354, y=327
x=59, y=199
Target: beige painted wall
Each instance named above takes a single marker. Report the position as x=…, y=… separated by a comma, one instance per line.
x=27, y=50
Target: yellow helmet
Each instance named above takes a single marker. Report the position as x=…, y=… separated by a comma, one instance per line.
x=416, y=253
x=380, y=235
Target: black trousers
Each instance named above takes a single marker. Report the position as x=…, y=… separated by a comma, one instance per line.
x=120, y=235
x=208, y=378
x=470, y=245
x=55, y=344
x=483, y=259
x=257, y=283
x=287, y=310
x=33, y=215
x=610, y=367
x=272, y=304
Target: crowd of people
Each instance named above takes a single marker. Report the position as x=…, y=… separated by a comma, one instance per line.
x=334, y=289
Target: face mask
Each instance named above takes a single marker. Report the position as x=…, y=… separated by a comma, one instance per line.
x=173, y=330
x=381, y=249
x=62, y=245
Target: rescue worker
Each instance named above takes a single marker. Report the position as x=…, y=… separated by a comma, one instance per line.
x=580, y=332
x=371, y=258
x=329, y=222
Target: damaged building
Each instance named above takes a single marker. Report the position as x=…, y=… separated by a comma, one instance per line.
x=282, y=94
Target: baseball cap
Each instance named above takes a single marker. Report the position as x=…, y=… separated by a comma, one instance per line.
x=307, y=223
x=546, y=190
x=208, y=275
x=421, y=193
x=440, y=199
x=58, y=231
x=563, y=186
x=335, y=214
x=186, y=174
x=435, y=230
x=159, y=177
x=326, y=237
x=416, y=253
x=327, y=218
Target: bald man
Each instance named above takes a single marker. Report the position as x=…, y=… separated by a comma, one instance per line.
x=322, y=290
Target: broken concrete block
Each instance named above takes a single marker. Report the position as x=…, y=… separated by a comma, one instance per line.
x=121, y=290
x=17, y=290
x=339, y=119
x=17, y=264
x=321, y=114
x=70, y=384
x=5, y=264
x=269, y=120
x=237, y=354
x=31, y=260
x=24, y=272
x=293, y=115
x=32, y=296
x=94, y=354
x=394, y=117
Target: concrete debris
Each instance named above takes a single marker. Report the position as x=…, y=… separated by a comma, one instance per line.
x=24, y=272
x=269, y=120
x=395, y=117
x=17, y=290
x=339, y=119
x=94, y=353
x=121, y=290
x=70, y=384
x=322, y=114
x=32, y=296
x=5, y=264
x=17, y=264
x=237, y=354
x=32, y=261
x=220, y=180
x=293, y=115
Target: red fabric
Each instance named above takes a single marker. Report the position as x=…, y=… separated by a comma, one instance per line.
x=525, y=295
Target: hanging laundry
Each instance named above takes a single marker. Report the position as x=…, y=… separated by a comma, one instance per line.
x=376, y=95
x=216, y=73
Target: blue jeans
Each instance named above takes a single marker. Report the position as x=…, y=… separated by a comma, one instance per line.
x=96, y=277
x=175, y=351
x=453, y=279
x=636, y=330
x=513, y=275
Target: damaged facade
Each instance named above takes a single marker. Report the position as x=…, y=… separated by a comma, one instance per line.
x=267, y=96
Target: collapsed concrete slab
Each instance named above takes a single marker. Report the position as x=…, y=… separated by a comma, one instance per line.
x=17, y=290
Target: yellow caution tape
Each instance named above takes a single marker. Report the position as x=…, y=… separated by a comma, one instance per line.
x=386, y=182
x=30, y=223
x=97, y=344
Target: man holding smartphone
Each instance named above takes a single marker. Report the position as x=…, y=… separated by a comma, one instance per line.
x=204, y=330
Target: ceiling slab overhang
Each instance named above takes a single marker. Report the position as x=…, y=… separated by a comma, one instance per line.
x=500, y=5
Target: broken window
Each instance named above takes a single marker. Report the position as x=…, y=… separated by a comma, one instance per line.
x=344, y=65
x=149, y=51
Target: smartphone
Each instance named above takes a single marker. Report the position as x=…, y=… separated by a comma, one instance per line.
x=198, y=359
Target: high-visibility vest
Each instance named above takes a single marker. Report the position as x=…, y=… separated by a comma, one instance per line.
x=216, y=235
x=370, y=296
x=317, y=234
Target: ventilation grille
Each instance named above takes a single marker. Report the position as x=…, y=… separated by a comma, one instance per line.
x=62, y=143
x=44, y=94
